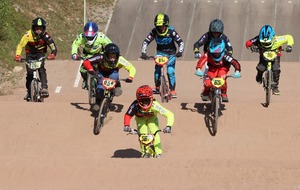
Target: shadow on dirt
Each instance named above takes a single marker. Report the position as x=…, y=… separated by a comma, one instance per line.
x=81, y=106
x=204, y=109
x=127, y=153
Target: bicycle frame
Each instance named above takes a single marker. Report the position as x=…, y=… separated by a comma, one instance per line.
x=92, y=84
x=109, y=85
x=164, y=90
x=35, y=85
x=146, y=141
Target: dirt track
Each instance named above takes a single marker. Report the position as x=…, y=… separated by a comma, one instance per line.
x=51, y=145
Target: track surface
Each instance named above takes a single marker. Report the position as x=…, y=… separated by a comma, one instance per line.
x=51, y=145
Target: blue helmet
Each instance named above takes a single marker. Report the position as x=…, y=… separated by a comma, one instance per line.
x=90, y=32
x=266, y=36
x=217, y=48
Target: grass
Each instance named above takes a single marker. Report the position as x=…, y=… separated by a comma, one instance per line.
x=64, y=22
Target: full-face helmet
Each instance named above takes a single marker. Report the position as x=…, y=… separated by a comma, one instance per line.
x=216, y=26
x=266, y=36
x=217, y=48
x=161, y=23
x=90, y=32
x=144, y=96
x=38, y=23
x=112, y=54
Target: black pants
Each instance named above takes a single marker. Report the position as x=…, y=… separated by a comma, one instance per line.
x=42, y=71
x=263, y=64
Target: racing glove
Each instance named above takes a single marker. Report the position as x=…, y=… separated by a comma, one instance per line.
x=129, y=80
x=289, y=49
x=236, y=75
x=199, y=73
x=178, y=54
x=51, y=56
x=144, y=56
x=75, y=56
x=127, y=129
x=167, y=129
x=17, y=58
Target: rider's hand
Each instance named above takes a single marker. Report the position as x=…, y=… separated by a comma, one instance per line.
x=254, y=48
x=129, y=80
x=126, y=129
x=289, y=49
x=199, y=73
x=236, y=75
x=51, y=56
x=167, y=129
x=75, y=56
x=144, y=56
x=178, y=54
x=197, y=55
x=17, y=58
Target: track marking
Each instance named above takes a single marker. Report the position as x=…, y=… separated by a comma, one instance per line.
x=58, y=88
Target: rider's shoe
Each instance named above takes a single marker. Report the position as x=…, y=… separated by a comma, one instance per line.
x=118, y=91
x=173, y=94
x=204, y=97
x=258, y=78
x=155, y=90
x=146, y=155
x=44, y=93
x=84, y=85
x=275, y=90
x=224, y=97
x=27, y=97
x=158, y=156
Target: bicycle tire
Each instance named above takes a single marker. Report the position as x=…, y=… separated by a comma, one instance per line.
x=91, y=89
x=33, y=90
x=268, y=87
x=216, y=108
x=164, y=89
x=104, y=107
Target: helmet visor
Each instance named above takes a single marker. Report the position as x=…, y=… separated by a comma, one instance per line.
x=145, y=102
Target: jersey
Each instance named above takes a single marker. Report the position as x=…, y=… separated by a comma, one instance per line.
x=205, y=40
x=166, y=43
x=278, y=42
x=226, y=61
x=34, y=44
x=155, y=109
x=104, y=66
x=89, y=50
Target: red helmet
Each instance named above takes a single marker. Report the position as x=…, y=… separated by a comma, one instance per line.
x=144, y=96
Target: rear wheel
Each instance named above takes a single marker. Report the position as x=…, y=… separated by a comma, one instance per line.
x=99, y=123
x=91, y=89
x=164, y=89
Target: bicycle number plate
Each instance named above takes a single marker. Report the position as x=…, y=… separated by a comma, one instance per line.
x=270, y=55
x=218, y=82
x=108, y=83
x=161, y=60
x=35, y=65
x=146, y=139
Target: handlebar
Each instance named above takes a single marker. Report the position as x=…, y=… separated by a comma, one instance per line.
x=135, y=132
x=40, y=59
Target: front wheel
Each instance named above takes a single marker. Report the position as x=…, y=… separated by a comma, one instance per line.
x=99, y=123
x=35, y=87
x=216, y=107
x=268, y=86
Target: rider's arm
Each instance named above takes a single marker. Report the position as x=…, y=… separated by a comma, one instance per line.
x=228, y=45
x=253, y=41
x=23, y=42
x=232, y=61
x=280, y=40
x=88, y=63
x=164, y=112
x=202, y=41
x=178, y=40
x=130, y=113
x=201, y=61
x=127, y=66
x=50, y=42
x=147, y=41
x=76, y=44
